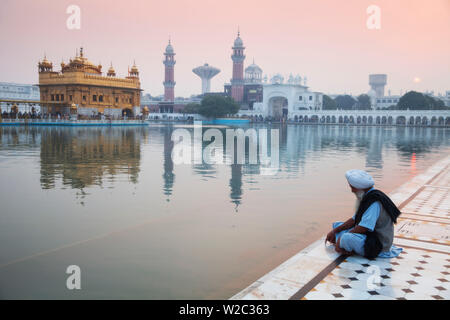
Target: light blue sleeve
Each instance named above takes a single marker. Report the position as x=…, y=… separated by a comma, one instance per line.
x=370, y=217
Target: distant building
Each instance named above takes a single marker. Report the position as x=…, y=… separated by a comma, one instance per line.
x=206, y=73
x=237, y=81
x=447, y=98
x=386, y=101
x=284, y=100
x=378, y=100
x=244, y=89
x=81, y=88
x=18, y=91
x=169, y=74
x=166, y=103
x=377, y=83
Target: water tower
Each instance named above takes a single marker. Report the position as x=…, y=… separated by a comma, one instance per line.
x=377, y=83
x=206, y=72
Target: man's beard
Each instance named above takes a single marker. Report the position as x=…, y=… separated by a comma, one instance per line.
x=357, y=203
x=359, y=195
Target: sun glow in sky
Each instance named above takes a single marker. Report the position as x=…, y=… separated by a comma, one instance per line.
x=327, y=41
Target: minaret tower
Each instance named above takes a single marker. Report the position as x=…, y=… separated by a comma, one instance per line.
x=237, y=81
x=169, y=80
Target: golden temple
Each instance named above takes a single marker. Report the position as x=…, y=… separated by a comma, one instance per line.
x=80, y=88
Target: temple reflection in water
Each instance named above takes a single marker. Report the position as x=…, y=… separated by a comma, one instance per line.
x=86, y=157
x=168, y=175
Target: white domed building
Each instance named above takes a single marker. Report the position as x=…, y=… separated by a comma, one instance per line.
x=253, y=74
x=276, y=99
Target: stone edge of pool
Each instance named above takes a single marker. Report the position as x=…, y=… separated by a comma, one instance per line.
x=301, y=273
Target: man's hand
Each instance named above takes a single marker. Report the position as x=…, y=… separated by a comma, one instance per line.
x=331, y=237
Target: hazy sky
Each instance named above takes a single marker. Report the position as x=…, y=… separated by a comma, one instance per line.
x=326, y=40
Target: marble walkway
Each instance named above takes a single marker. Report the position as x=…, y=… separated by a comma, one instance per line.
x=421, y=271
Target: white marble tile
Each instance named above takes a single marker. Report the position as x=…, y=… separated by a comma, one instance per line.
x=393, y=292
x=344, y=273
x=350, y=266
x=381, y=297
x=274, y=289
x=418, y=296
x=319, y=295
x=303, y=270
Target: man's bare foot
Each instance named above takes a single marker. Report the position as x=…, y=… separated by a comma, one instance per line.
x=342, y=251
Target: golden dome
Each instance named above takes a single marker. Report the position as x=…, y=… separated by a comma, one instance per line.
x=77, y=60
x=111, y=71
x=134, y=69
x=73, y=106
x=45, y=62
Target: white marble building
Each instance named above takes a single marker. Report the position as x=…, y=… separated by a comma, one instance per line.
x=18, y=91
x=386, y=101
x=284, y=100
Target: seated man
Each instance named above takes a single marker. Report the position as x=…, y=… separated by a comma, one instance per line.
x=370, y=232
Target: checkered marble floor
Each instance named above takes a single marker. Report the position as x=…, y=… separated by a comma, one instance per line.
x=432, y=201
x=420, y=272
x=414, y=274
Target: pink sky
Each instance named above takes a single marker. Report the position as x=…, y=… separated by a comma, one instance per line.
x=326, y=40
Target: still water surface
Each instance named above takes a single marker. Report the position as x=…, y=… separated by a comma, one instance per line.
x=111, y=201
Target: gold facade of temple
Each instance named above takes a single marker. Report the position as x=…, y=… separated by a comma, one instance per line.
x=81, y=87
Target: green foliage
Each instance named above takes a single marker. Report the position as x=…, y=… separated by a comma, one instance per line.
x=363, y=102
x=328, y=103
x=191, y=108
x=418, y=101
x=345, y=102
x=215, y=106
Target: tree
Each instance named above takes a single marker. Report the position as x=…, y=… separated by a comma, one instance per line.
x=215, y=106
x=364, y=102
x=435, y=104
x=345, y=102
x=191, y=108
x=414, y=101
x=328, y=103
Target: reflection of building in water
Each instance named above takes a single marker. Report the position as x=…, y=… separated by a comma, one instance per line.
x=82, y=157
x=168, y=175
x=236, y=184
x=204, y=169
x=302, y=144
x=14, y=137
x=374, y=158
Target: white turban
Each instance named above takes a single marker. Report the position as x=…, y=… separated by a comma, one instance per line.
x=359, y=179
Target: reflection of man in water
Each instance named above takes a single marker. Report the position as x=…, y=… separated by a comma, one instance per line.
x=370, y=232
